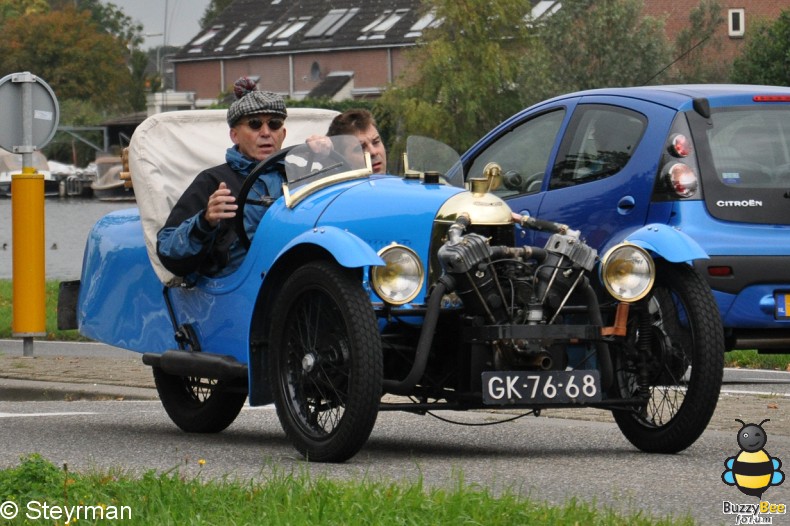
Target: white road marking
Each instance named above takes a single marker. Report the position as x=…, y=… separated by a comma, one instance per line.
x=13, y=415
x=758, y=393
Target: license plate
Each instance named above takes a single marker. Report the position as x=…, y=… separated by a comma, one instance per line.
x=782, y=305
x=541, y=387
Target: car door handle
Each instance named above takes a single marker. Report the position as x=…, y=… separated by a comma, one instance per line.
x=523, y=231
x=626, y=205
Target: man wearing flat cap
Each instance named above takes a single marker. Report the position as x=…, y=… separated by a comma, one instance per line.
x=198, y=236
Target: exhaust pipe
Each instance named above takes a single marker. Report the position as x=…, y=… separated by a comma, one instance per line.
x=198, y=364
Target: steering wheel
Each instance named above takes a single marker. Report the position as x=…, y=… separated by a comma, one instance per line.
x=533, y=183
x=513, y=180
x=337, y=163
x=264, y=166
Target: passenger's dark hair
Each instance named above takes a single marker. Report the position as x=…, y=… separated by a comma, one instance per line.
x=350, y=122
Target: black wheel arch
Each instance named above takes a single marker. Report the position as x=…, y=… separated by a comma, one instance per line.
x=260, y=393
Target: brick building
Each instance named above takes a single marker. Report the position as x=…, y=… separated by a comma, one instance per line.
x=737, y=14
x=295, y=47
x=354, y=48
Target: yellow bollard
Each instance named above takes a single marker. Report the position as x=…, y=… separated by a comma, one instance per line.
x=27, y=217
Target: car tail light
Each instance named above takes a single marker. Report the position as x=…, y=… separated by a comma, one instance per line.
x=720, y=272
x=771, y=98
x=681, y=145
x=682, y=179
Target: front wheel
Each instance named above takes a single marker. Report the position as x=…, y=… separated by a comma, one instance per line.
x=673, y=360
x=325, y=362
x=200, y=405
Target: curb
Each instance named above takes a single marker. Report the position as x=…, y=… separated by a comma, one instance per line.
x=38, y=391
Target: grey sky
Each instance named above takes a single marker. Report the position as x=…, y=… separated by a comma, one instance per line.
x=183, y=18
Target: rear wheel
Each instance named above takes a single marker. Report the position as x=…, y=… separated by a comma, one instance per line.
x=200, y=405
x=674, y=360
x=325, y=362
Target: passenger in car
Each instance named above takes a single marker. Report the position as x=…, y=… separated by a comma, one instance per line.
x=362, y=124
x=199, y=235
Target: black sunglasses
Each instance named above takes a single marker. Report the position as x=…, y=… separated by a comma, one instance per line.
x=274, y=124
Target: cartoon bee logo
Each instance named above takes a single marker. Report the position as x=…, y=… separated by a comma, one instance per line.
x=752, y=470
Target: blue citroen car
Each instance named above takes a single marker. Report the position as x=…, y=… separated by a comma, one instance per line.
x=710, y=161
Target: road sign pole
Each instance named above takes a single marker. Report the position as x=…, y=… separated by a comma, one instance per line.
x=25, y=96
x=27, y=217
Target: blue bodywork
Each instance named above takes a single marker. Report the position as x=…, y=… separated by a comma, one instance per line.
x=121, y=300
x=624, y=205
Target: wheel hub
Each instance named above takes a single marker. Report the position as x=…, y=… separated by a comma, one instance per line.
x=308, y=362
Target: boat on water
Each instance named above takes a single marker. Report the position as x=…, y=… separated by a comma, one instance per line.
x=108, y=185
x=11, y=163
x=74, y=181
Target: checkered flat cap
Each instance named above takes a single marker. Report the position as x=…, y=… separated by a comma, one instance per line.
x=255, y=102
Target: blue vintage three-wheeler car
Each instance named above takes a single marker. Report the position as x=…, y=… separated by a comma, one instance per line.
x=362, y=293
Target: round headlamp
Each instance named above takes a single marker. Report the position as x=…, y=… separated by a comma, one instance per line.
x=400, y=279
x=628, y=272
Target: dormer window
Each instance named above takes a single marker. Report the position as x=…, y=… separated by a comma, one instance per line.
x=196, y=45
x=280, y=36
x=379, y=27
x=331, y=23
x=426, y=21
x=230, y=37
x=253, y=35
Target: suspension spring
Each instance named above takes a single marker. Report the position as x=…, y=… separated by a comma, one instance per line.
x=644, y=345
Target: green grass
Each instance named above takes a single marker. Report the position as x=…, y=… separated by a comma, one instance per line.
x=50, y=309
x=745, y=359
x=280, y=499
x=753, y=360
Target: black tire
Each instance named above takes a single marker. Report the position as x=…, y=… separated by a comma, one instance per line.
x=684, y=365
x=200, y=405
x=325, y=362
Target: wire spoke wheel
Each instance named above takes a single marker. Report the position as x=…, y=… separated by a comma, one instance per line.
x=325, y=362
x=317, y=365
x=200, y=405
x=674, y=361
x=200, y=388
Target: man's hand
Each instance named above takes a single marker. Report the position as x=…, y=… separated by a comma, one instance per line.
x=221, y=205
x=321, y=145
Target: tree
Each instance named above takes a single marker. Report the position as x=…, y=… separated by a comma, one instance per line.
x=487, y=59
x=464, y=77
x=16, y=8
x=693, y=46
x=108, y=17
x=766, y=55
x=66, y=49
x=595, y=44
x=214, y=8
x=98, y=19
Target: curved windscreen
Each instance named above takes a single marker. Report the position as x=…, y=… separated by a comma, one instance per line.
x=321, y=162
x=424, y=154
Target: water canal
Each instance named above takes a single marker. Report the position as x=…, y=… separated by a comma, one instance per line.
x=67, y=223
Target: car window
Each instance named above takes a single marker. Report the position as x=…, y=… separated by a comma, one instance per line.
x=599, y=142
x=523, y=154
x=751, y=147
